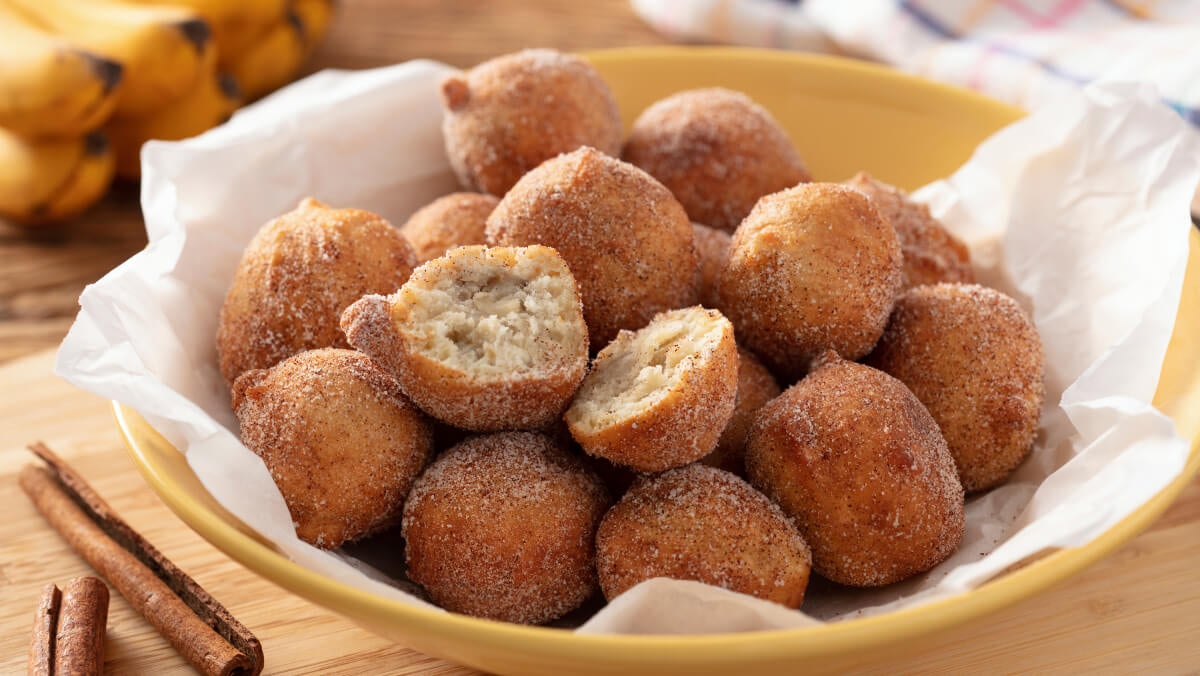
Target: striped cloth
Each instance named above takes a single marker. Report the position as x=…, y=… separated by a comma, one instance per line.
x=1025, y=52
x=1020, y=51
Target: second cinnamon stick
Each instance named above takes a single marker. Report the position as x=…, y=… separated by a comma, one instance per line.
x=82, y=619
x=75, y=514
x=45, y=623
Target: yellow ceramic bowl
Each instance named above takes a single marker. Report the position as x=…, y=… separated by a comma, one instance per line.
x=843, y=116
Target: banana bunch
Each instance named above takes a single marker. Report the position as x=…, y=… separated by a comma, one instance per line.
x=84, y=83
x=42, y=181
x=273, y=61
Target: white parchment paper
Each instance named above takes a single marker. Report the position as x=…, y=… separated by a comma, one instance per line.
x=1080, y=211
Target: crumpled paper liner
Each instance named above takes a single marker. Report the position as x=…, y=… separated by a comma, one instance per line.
x=1080, y=211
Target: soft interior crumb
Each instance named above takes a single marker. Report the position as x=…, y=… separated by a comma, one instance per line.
x=500, y=310
x=642, y=368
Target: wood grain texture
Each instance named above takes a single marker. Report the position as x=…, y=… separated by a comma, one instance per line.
x=464, y=32
x=1134, y=612
x=298, y=637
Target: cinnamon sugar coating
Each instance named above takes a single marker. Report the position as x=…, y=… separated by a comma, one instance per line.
x=295, y=278
x=812, y=268
x=507, y=115
x=449, y=221
x=756, y=386
x=502, y=526
x=625, y=238
x=700, y=523
x=659, y=398
x=481, y=338
x=931, y=253
x=857, y=461
x=339, y=438
x=717, y=151
x=973, y=357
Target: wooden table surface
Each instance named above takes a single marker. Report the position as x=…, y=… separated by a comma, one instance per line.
x=1135, y=611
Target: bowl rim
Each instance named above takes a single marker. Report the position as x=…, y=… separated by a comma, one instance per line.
x=846, y=634
x=834, y=637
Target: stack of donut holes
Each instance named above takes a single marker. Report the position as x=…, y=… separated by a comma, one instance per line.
x=604, y=363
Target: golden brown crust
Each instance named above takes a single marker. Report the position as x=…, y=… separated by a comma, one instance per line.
x=858, y=462
x=529, y=398
x=339, y=438
x=502, y=526
x=712, y=252
x=756, y=386
x=931, y=253
x=700, y=523
x=508, y=115
x=681, y=426
x=295, y=278
x=717, y=151
x=971, y=355
x=812, y=268
x=626, y=239
x=449, y=221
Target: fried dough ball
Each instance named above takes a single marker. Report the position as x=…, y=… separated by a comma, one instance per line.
x=717, y=151
x=700, y=523
x=295, y=278
x=931, y=253
x=481, y=338
x=510, y=114
x=339, y=438
x=971, y=355
x=502, y=526
x=626, y=239
x=659, y=398
x=756, y=386
x=449, y=221
x=857, y=461
x=812, y=268
x=712, y=250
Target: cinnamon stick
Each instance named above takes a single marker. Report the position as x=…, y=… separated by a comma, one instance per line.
x=199, y=627
x=45, y=622
x=68, y=629
x=82, y=618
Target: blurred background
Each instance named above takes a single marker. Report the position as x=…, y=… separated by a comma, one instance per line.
x=45, y=262
x=84, y=82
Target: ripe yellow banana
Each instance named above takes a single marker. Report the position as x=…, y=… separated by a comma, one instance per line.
x=48, y=87
x=205, y=107
x=236, y=24
x=277, y=56
x=52, y=180
x=165, y=50
x=272, y=61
